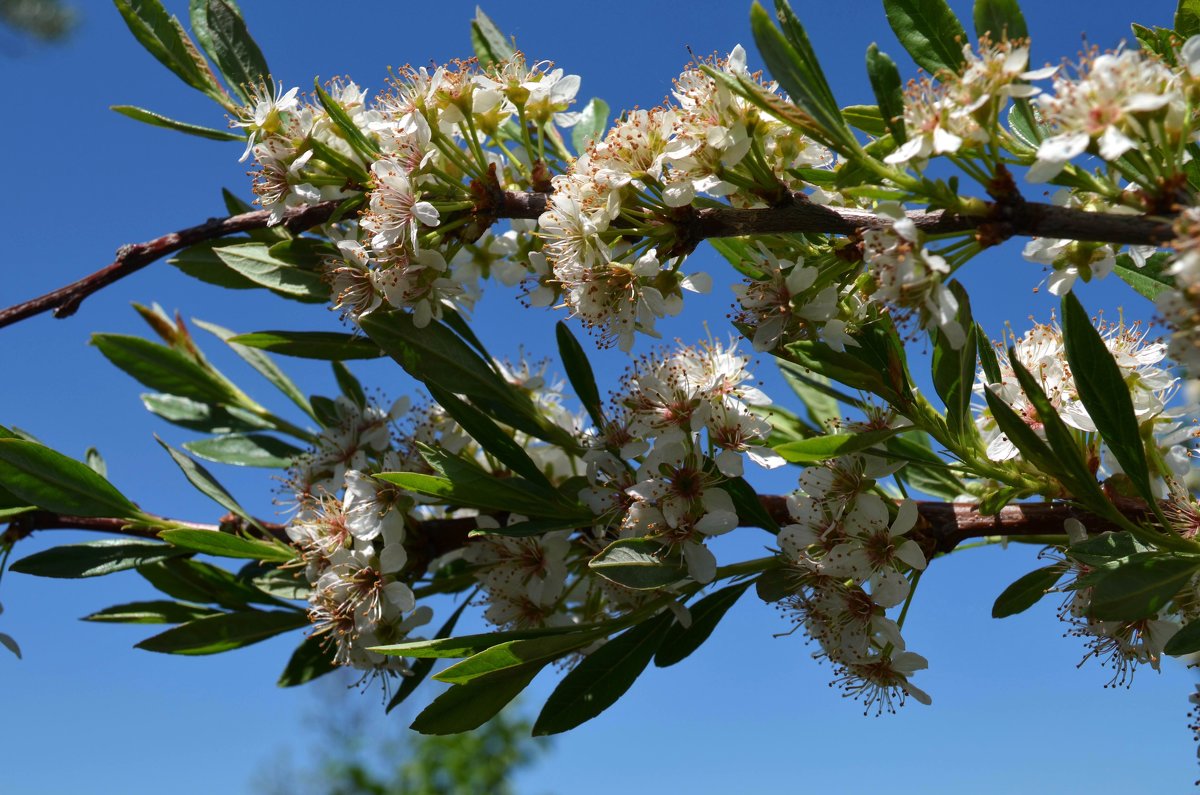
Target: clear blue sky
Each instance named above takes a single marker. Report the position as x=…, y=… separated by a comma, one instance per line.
x=84, y=712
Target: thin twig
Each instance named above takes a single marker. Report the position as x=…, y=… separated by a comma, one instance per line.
x=1002, y=220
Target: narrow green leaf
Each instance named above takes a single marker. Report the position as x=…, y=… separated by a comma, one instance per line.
x=194, y=581
x=421, y=668
x=1032, y=448
x=464, y=708
x=199, y=262
x=223, y=632
x=163, y=369
x=821, y=407
x=203, y=417
x=205, y=483
x=256, y=263
x=1141, y=587
x=158, y=120
x=326, y=345
x=602, y=678
x=155, y=612
x=310, y=660
x=1187, y=18
x=491, y=46
x=1000, y=19
x=514, y=654
x=93, y=558
x=350, y=386
x=639, y=563
x=1105, y=548
x=1148, y=281
x=681, y=641
x=260, y=362
x=164, y=38
x=889, y=91
x=822, y=448
x=235, y=53
x=750, y=510
x=489, y=436
x=469, y=645
x=1185, y=641
x=45, y=478
x=987, y=356
x=593, y=121
x=246, y=450
x=522, y=496
x=930, y=32
x=227, y=545
x=367, y=147
x=1027, y=591
x=1105, y=394
x=531, y=527
x=579, y=372
x=954, y=371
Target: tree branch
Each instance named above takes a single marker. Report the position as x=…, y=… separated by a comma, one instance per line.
x=1002, y=220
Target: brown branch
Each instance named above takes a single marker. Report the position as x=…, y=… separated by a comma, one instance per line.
x=1003, y=219
x=25, y=524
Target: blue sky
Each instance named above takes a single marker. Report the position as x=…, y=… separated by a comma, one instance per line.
x=749, y=712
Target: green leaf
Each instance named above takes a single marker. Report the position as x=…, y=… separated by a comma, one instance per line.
x=889, y=91
x=681, y=641
x=463, y=708
x=155, y=612
x=234, y=51
x=310, y=660
x=206, y=484
x=421, y=668
x=203, y=417
x=256, y=263
x=158, y=120
x=467, y=645
x=822, y=448
x=262, y=363
x=1026, y=591
x=954, y=371
x=810, y=387
x=227, y=545
x=841, y=367
x=163, y=369
x=866, y=118
x=930, y=32
x=1185, y=641
x=602, y=678
x=1149, y=280
x=246, y=450
x=1032, y=448
x=639, y=563
x=194, y=581
x=436, y=355
x=1000, y=19
x=45, y=478
x=1105, y=548
x=1105, y=394
x=326, y=345
x=750, y=510
x=775, y=584
x=593, y=121
x=164, y=38
x=358, y=141
x=1141, y=586
x=93, y=558
x=350, y=386
x=579, y=372
x=489, y=436
x=523, y=496
x=987, y=356
x=199, y=262
x=791, y=61
x=531, y=527
x=1187, y=18
x=490, y=45
x=514, y=654
x=224, y=631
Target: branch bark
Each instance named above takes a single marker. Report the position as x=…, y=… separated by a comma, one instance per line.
x=942, y=526
x=1002, y=220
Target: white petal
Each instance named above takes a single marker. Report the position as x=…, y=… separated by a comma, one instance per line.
x=701, y=562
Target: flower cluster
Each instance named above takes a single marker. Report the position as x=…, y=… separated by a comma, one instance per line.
x=908, y=277
x=616, y=262
x=960, y=110
x=694, y=404
x=847, y=557
x=1041, y=351
x=1116, y=102
x=412, y=152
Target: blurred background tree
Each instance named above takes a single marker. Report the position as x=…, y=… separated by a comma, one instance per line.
x=359, y=751
x=44, y=20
